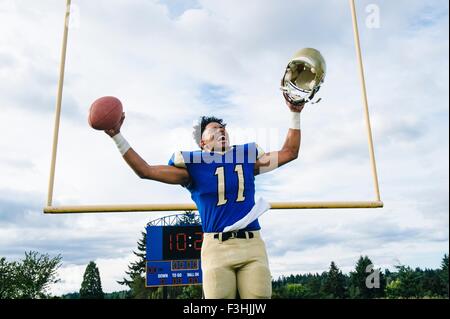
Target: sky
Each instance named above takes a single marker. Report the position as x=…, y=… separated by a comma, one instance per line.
x=171, y=61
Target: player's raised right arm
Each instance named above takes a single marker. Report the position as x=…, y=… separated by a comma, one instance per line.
x=161, y=173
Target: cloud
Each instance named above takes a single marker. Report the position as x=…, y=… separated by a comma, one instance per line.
x=111, y=269
x=178, y=7
x=77, y=238
x=172, y=61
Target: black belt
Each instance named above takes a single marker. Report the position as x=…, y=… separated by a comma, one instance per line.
x=234, y=234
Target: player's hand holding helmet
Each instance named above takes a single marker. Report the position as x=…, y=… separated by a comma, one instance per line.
x=303, y=77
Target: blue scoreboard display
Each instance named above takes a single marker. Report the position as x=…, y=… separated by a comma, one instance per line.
x=173, y=255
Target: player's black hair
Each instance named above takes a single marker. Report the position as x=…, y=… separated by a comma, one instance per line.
x=201, y=125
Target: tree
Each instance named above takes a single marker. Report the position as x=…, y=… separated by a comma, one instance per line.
x=190, y=292
x=430, y=284
x=358, y=288
x=136, y=268
x=444, y=276
x=91, y=287
x=393, y=289
x=188, y=218
x=29, y=278
x=7, y=276
x=136, y=273
x=36, y=273
x=296, y=291
x=124, y=294
x=333, y=286
x=405, y=284
x=314, y=285
x=71, y=295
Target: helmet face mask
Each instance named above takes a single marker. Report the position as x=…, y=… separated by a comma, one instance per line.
x=303, y=77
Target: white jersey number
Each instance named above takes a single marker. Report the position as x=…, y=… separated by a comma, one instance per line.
x=220, y=173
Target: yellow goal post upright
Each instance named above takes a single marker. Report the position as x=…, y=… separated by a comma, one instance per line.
x=50, y=209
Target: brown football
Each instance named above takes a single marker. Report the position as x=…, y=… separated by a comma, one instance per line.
x=105, y=113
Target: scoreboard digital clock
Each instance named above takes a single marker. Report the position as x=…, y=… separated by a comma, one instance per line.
x=173, y=255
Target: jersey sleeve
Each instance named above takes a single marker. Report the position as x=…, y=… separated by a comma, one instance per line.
x=177, y=160
x=253, y=152
x=259, y=152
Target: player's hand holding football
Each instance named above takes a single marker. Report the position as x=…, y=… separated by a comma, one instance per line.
x=116, y=129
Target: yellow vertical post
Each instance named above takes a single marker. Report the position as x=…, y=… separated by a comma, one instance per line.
x=365, y=99
x=58, y=105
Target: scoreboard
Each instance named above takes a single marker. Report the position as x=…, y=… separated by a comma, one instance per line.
x=173, y=255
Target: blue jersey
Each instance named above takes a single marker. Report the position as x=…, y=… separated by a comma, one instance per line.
x=222, y=184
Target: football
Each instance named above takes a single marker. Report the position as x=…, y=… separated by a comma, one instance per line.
x=105, y=113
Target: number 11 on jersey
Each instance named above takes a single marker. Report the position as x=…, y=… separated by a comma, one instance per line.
x=220, y=173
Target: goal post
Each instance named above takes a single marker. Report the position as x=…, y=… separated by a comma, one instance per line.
x=191, y=207
x=63, y=209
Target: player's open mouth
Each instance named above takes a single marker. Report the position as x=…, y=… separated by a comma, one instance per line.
x=222, y=138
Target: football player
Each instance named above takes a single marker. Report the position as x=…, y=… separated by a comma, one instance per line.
x=221, y=180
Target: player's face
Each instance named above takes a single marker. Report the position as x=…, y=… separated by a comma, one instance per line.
x=215, y=138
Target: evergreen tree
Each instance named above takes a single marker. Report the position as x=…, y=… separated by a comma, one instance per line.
x=91, y=287
x=191, y=292
x=444, y=276
x=124, y=294
x=405, y=284
x=314, y=285
x=188, y=218
x=71, y=295
x=358, y=288
x=136, y=272
x=136, y=268
x=333, y=286
x=430, y=284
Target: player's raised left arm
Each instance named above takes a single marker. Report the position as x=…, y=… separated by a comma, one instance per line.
x=291, y=147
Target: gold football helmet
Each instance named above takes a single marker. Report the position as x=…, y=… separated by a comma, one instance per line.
x=303, y=77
